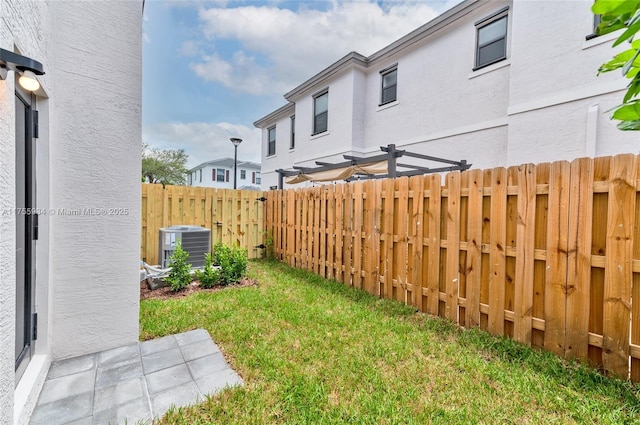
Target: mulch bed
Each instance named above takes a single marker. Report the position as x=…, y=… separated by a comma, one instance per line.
x=165, y=293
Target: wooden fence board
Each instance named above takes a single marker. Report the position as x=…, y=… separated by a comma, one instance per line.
x=400, y=233
x=579, y=259
x=339, y=240
x=474, y=248
x=416, y=186
x=368, y=228
x=377, y=222
x=387, y=252
x=453, y=246
x=526, y=215
x=433, y=260
x=635, y=291
x=357, y=235
x=618, y=268
x=347, y=242
x=557, y=246
x=497, y=255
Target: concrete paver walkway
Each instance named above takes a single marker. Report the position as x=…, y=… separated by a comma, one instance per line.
x=133, y=383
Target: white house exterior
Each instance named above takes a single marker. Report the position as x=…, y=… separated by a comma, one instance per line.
x=85, y=171
x=532, y=96
x=219, y=173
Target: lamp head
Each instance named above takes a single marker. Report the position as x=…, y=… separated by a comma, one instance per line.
x=236, y=141
x=28, y=81
x=27, y=68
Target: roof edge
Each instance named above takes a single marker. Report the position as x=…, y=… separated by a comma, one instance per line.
x=351, y=59
x=449, y=16
x=356, y=59
x=283, y=110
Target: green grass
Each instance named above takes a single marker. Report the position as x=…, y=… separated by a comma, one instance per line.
x=312, y=351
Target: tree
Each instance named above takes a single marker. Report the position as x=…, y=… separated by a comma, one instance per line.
x=617, y=15
x=164, y=166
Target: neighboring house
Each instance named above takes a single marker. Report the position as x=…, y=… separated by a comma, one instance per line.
x=219, y=173
x=496, y=83
x=68, y=279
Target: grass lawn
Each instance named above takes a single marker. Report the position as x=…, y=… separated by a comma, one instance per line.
x=312, y=351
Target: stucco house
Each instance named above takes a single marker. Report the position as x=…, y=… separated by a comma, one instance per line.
x=219, y=173
x=69, y=187
x=495, y=83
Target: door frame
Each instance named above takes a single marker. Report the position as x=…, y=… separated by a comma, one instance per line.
x=23, y=358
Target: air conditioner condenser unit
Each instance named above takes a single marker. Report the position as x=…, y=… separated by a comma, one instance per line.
x=195, y=240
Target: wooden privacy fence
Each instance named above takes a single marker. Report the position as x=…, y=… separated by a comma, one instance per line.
x=235, y=217
x=547, y=254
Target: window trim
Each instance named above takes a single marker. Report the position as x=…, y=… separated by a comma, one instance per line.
x=275, y=135
x=488, y=20
x=316, y=96
x=388, y=70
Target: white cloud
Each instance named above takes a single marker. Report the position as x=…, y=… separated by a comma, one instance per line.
x=204, y=141
x=281, y=48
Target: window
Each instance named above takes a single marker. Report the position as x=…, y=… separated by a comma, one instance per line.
x=271, y=146
x=596, y=22
x=320, y=112
x=389, y=85
x=491, y=45
x=258, y=177
x=292, y=144
x=220, y=175
x=243, y=174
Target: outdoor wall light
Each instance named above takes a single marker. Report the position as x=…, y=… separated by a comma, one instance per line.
x=27, y=68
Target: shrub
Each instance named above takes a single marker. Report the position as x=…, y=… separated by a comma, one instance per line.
x=208, y=276
x=180, y=274
x=232, y=262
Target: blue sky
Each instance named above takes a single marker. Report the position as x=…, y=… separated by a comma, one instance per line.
x=212, y=68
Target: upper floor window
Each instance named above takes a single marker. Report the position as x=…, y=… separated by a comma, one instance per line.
x=320, y=112
x=596, y=21
x=220, y=174
x=491, y=43
x=389, y=85
x=271, y=144
x=243, y=174
x=292, y=144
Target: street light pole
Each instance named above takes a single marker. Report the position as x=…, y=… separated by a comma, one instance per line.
x=235, y=142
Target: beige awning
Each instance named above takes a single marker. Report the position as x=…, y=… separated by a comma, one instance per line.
x=340, y=173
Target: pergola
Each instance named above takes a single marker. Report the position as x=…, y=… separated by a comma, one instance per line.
x=373, y=167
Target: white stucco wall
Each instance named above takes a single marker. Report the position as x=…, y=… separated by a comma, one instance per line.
x=554, y=86
x=87, y=156
x=24, y=26
x=95, y=155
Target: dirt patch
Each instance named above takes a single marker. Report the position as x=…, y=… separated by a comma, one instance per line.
x=165, y=293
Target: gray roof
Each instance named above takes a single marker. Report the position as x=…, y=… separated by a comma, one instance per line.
x=228, y=163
